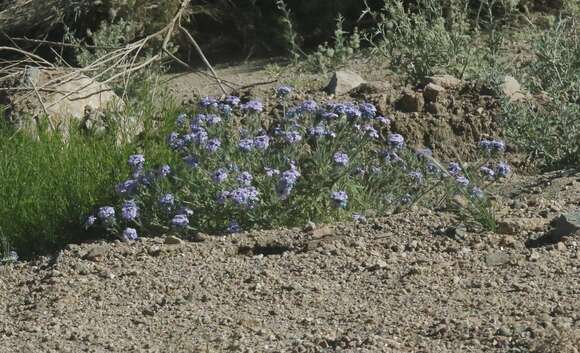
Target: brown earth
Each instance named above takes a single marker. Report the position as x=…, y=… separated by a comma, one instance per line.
x=410, y=282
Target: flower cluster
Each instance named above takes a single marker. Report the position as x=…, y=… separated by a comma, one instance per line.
x=310, y=161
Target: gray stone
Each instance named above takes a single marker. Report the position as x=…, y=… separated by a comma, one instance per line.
x=445, y=81
x=566, y=224
x=497, y=259
x=343, y=81
x=512, y=89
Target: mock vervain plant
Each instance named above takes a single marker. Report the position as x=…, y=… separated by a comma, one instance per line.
x=236, y=170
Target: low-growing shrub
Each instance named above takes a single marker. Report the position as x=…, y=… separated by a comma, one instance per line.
x=237, y=167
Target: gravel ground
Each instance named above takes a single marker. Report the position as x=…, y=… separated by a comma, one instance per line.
x=405, y=283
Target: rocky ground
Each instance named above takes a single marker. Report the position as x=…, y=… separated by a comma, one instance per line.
x=411, y=282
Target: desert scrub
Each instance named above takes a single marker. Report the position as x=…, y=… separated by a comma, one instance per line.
x=419, y=42
x=331, y=56
x=548, y=130
x=235, y=167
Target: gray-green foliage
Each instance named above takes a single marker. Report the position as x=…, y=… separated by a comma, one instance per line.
x=550, y=131
x=422, y=41
x=344, y=46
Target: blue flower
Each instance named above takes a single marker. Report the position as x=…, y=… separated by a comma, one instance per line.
x=136, y=161
x=225, y=109
x=198, y=135
x=130, y=234
x=233, y=227
x=292, y=137
x=461, y=180
x=127, y=187
x=180, y=121
x=106, y=213
x=454, y=168
x=503, y=169
x=180, y=221
x=283, y=91
x=368, y=110
x=164, y=171
x=396, y=141
x=339, y=199
x=492, y=145
x=287, y=182
x=371, y=131
x=253, y=106
x=246, y=145
x=383, y=120
x=245, y=196
x=220, y=175
x=167, y=201
x=232, y=101
x=208, y=103
x=90, y=221
x=245, y=179
x=341, y=159
x=487, y=171
x=185, y=211
x=213, y=145
x=129, y=211
x=352, y=112
x=308, y=106
x=262, y=142
x=212, y=119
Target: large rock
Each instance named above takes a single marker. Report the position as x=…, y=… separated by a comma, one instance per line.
x=445, y=81
x=512, y=89
x=343, y=81
x=66, y=98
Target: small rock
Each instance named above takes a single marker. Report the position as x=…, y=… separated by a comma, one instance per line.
x=560, y=246
x=514, y=226
x=96, y=253
x=534, y=256
x=445, y=81
x=343, y=81
x=512, y=89
x=200, y=237
x=173, y=240
x=497, y=259
x=310, y=226
x=566, y=224
x=410, y=102
x=154, y=250
x=321, y=232
x=432, y=92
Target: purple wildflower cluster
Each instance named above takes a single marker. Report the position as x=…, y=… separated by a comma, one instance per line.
x=229, y=156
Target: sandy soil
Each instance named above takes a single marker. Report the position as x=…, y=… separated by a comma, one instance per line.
x=409, y=282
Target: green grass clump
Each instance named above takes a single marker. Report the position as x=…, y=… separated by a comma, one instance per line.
x=47, y=185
